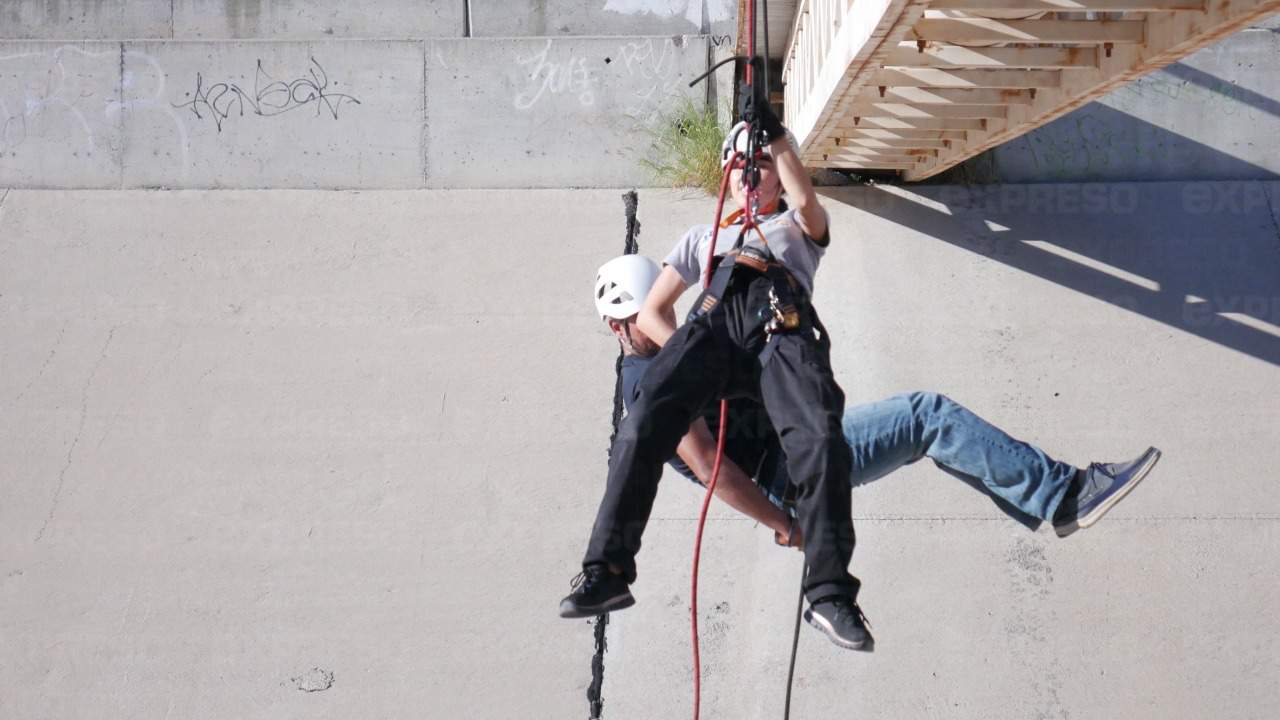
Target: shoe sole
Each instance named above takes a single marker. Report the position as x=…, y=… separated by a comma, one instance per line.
x=821, y=623
x=572, y=612
x=1153, y=456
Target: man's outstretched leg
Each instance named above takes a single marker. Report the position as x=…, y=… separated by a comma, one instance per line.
x=897, y=431
x=806, y=404
x=685, y=375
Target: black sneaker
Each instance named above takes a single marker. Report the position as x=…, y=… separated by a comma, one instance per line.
x=1098, y=489
x=842, y=621
x=596, y=591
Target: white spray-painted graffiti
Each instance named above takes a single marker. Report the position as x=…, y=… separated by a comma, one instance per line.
x=650, y=67
x=38, y=89
x=68, y=96
x=571, y=76
x=653, y=66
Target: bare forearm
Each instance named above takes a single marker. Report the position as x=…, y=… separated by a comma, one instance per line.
x=659, y=326
x=800, y=192
x=742, y=494
x=733, y=486
x=657, y=318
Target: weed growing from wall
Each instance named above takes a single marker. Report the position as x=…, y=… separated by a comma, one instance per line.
x=685, y=147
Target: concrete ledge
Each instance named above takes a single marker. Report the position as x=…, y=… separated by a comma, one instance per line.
x=314, y=19
x=228, y=19
x=85, y=19
x=498, y=18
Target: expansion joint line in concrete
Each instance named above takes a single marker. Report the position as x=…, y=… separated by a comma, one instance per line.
x=1271, y=212
x=595, y=697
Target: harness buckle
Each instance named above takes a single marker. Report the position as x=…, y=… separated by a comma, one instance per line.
x=784, y=316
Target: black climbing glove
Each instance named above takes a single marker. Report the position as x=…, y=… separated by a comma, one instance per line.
x=753, y=106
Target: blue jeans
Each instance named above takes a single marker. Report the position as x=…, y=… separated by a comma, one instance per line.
x=898, y=431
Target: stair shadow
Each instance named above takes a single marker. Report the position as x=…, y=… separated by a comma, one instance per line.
x=1200, y=257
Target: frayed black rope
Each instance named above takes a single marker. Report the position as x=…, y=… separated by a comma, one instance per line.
x=594, y=698
x=630, y=201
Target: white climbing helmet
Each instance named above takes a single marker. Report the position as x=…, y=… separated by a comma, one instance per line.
x=622, y=284
x=736, y=142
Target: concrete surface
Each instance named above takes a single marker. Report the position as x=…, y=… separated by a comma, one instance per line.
x=60, y=114
x=221, y=19
x=85, y=19
x=282, y=453
x=335, y=114
x=543, y=112
x=551, y=18
x=1213, y=115
x=526, y=112
x=312, y=19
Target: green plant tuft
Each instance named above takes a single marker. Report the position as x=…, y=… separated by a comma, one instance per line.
x=685, y=149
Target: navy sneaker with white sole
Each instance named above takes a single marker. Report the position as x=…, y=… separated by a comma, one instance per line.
x=842, y=621
x=596, y=590
x=1098, y=489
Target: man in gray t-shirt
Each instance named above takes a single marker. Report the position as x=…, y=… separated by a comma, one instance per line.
x=727, y=350
x=783, y=234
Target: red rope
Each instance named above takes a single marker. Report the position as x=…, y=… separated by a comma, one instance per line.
x=748, y=222
x=715, y=470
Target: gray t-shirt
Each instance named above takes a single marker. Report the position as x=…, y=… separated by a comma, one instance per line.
x=781, y=230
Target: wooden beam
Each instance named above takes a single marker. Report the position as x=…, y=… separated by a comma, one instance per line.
x=892, y=153
x=899, y=123
x=943, y=78
x=1070, y=32
x=831, y=157
x=945, y=96
x=837, y=165
x=1170, y=36
x=863, y=142
x=956, y=56
x=908, y=111
x=865, y=131
x=1071, y=5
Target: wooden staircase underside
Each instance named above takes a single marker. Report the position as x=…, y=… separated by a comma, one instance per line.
x=918, y=86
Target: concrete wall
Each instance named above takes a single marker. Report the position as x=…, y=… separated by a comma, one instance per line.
x=542, y=112
x=499, y=18
x=276, y=454
x=314, y=19
x=1213, y=115
x=263, y=19
x=535, y=112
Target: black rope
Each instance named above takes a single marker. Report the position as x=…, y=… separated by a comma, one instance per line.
x=595, y=698
x=795, y=643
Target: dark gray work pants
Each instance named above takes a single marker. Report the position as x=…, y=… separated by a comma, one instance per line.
x=718, y=355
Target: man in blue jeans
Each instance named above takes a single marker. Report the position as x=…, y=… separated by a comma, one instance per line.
x=883, y=437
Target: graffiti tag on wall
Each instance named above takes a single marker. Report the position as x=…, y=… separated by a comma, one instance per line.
x=268, y=97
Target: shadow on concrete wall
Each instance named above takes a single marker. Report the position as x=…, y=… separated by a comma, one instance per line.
x=1203, y=258
x=1111, y=141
